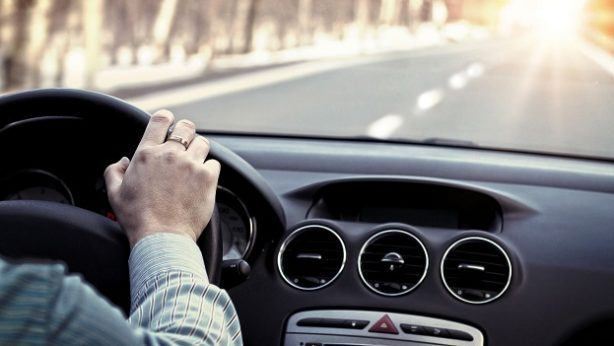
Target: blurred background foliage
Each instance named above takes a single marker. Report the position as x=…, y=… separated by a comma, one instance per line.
x=66, y=42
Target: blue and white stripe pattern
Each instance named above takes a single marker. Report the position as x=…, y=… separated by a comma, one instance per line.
x=172, y=302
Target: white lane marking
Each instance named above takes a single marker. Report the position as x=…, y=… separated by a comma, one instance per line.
x=206, y=90
x=253, y=80
x=429, y=99
x=598, y=55
x=460, y=79
x=475, y=70
x=457, y=81
x=384, y=127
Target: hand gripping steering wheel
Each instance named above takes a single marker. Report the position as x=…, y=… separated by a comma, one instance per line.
x=89, y=243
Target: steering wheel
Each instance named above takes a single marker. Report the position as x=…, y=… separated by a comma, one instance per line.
x=89, y=243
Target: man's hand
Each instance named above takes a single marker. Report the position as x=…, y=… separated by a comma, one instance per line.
x=166, y=187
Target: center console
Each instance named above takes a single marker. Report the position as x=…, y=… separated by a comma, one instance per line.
x=363, y=328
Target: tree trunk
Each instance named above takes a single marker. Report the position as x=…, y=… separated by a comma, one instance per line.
x=426, y=11
x=92, y=27
x=163, y=25
x=455, y=9
x=361, y=15
x=305, y=14
x=4, y=15
x=388, y=12
x=230, y=25
x=404, y=13
x=14, y=65
x=249, y=25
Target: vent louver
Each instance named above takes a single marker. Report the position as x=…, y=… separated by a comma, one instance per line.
x=476, y=270
x=393, y=262
x=311, y=257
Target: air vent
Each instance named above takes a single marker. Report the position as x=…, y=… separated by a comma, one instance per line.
x=476, y=270
x=311, y=257
x=393, y=262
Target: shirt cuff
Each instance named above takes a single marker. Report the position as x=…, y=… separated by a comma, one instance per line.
x=162, y=253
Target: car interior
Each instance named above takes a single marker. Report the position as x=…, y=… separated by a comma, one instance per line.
x=323, y=241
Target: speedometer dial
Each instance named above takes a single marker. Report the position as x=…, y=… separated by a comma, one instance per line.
x=37, y=185
x=39, y=193
x=238, y=225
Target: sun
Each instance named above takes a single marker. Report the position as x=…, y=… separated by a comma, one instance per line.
x=548, y=19
x=559, y=19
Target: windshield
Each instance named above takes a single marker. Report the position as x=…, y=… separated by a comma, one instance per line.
x=524, y=75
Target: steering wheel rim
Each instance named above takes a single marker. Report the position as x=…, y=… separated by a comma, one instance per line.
x=17, y=108
x=21, y=220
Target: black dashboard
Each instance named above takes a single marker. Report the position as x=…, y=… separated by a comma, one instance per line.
x=542, y=224
x=447, y=243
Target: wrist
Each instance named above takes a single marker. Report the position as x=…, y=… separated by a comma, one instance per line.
x=159, y=253
x=135, y=236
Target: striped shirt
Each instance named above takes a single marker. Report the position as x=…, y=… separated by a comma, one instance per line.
x=172, y=302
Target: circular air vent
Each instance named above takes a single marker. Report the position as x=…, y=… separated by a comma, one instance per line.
x=393, y=262
x=311, y=257
x=476, y=270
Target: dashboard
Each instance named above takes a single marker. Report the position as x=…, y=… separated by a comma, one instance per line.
x=380, y=243
x=509, y=248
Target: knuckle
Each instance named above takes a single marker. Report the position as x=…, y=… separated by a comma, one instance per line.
x=144, y=155
x=197, y=169
x=205, y=141
x=203, y=173
x=187, y=123
x=170, y=156
x=188, y=166
x=164, y=117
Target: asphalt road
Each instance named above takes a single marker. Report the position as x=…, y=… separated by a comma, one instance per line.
x=522, y=94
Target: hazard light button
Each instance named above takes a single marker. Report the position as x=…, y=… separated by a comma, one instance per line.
x=384, y=325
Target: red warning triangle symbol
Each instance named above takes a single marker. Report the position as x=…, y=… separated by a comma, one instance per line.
x=384, y=325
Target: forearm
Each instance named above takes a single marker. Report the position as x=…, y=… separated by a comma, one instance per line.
x=172, y=302
x=171, y=295
x=183, y=309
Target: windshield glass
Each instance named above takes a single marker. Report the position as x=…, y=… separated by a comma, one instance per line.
x=531, y=75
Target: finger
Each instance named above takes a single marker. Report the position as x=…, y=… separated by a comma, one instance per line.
x=114, y=174
x=156, y=130
x=183, y=129
x=214, y=167
x=199, y=149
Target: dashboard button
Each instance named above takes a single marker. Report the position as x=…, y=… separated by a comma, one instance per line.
x=322, y=322
x=384, y=325
x=356, y=324
x=332, y=323
x=310, y=322
x=413, y=329
x=438, y=332
x=459, y=335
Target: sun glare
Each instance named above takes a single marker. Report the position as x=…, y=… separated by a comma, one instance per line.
x=558, y=19
x=549, y=19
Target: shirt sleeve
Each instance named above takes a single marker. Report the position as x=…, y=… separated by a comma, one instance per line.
x=172, y=297
x=172, y=302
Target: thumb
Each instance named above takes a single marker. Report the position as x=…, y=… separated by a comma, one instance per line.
x=114, y=174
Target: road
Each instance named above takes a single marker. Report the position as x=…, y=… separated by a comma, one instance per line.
x=511, y=93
